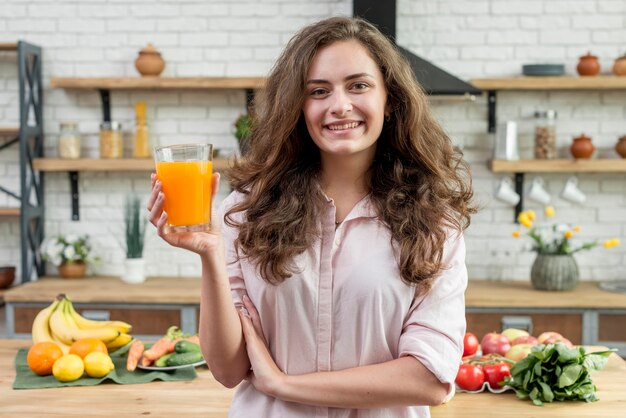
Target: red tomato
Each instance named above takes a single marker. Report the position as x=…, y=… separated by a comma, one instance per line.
x=470, y=344
x=495, y=373
x=470, y=377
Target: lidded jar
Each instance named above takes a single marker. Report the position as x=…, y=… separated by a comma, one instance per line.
x=545, y=134
x=69, y=140
x=149, y=62
x=111, y=145
x=620, y=147
x=582, y=147
x=619, y=67
x=588, y=65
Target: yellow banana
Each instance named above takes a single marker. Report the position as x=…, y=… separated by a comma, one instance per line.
x=84, y=323
x=64, y=347
x=40, y=330
x=120, y=341
x=64, y=327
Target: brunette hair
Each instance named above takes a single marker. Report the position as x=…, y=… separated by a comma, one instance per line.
x=419, y=183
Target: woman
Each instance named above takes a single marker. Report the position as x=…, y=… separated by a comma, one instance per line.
x=342, y=240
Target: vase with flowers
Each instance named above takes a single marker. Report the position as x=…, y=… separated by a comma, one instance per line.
x=555, y=267
x=135, y=229
x=70, y=253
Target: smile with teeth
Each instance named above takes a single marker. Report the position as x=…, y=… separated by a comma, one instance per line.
x=350, y=125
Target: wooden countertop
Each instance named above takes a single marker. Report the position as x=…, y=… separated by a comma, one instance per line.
x=204, y=397
x=186, y=290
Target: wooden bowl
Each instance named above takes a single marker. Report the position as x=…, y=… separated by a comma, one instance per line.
x=7, y=276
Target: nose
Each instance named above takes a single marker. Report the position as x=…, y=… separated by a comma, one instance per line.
x=341, y=103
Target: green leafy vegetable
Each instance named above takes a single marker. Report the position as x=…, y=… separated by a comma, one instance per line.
x=555, y=372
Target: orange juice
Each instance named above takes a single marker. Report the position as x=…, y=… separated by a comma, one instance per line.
x=187, y=189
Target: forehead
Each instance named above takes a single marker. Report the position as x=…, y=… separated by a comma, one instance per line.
x=342, y=56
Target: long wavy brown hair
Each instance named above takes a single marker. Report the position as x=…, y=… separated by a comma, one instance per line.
x=418, y=181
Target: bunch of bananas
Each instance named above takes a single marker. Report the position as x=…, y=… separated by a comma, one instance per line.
x=61, y=324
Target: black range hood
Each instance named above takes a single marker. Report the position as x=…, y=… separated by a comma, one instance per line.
x=434, y=80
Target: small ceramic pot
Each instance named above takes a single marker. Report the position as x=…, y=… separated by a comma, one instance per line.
x=554, y=272
x=620, y=147
x=75, y=270
x=134, y=271
x=149, y=62
x=582, y=147
x=7, y=276
x=619, y=67
x=588, y=65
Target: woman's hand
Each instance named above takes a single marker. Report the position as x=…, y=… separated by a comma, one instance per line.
x=198, y=242
x=265, y=376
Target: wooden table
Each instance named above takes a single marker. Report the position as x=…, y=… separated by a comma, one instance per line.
x=204, y=397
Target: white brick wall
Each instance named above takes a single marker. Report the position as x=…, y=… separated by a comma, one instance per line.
x=472, y=39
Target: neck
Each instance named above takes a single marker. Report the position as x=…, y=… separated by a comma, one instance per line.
x=341, y=176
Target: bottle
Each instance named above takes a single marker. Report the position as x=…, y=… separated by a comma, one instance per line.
x=142, y=133
x=545, y=135
x=69, y=140
x=111, y=140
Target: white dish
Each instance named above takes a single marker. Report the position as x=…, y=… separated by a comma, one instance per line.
x=170, y=368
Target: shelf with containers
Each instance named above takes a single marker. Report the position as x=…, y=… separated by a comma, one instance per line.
x=104, y=85
x=552, y=83
x=29, y=137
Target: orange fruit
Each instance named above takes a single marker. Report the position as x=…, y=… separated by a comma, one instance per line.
x=88, y=345
x=41, y=357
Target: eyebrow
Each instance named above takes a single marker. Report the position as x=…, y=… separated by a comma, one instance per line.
x=350, y=77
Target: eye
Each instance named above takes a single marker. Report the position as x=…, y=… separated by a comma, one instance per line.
x=360, y=85
x=318, y=92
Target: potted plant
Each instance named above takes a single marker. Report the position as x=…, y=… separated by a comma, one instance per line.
x=135, y=228
x=69, y=253
x=555, y=267
x=242, y=131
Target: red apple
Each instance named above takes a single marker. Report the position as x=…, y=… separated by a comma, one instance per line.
x=495, y=343
x=528, y=339
x=518, y=352
x=513, y=333
x=549, y=334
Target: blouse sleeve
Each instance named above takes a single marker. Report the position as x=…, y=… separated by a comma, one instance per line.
x=233, y=265
x=435, y=325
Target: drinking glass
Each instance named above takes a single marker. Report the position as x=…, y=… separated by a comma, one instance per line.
x=186, y=173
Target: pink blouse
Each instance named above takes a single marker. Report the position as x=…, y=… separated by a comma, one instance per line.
x=347, y=307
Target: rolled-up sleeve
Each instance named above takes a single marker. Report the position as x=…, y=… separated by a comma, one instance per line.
x=434, y=328
x=233, y=265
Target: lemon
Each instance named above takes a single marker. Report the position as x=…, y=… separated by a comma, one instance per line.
x=98, y=364
x=68, y=368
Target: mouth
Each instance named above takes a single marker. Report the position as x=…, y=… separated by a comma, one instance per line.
x=343, y=126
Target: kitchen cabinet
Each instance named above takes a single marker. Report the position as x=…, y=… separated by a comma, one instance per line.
x=29, y=137
x=554, y=83
x=205, y=397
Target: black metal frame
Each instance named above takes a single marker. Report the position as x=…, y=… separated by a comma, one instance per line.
x=31, y=139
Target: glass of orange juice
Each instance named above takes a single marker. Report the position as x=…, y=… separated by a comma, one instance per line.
x=186, y=173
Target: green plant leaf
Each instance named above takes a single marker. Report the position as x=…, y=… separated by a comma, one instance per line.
x=569, y=375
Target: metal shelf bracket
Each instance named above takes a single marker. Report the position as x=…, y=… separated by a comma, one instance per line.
x=519, y=189
x=74, y=187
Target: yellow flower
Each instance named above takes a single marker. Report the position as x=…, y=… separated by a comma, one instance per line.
x=577, y=229
x=531, y=214
x=517, y=234
x=610, y=243
x=568, y=234
x=524, y=220
x=549, y=211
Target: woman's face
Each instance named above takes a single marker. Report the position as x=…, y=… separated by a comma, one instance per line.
x=345, y=101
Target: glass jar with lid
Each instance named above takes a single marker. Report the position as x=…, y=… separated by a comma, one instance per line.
x=111, y=145
x=545, y=135
x=69, y=140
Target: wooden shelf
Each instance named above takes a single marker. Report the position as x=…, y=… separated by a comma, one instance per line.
x=8, y=46
x=9, y=211
x=158, y=83
x=95, y=164
x=552, y=83
x=9, y=131
x=558, y=166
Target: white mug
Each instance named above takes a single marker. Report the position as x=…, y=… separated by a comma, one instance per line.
x=506, y=193
x=538, y=192
x=571, y=191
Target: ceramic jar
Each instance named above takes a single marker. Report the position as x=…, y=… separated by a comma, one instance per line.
x=554, y=272
x=619, y=67
x=149, y=62
x=620, y=147
x=588, y=65
x=582, y=147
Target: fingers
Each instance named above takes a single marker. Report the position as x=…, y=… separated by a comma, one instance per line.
x=254, y=317
x=216, y=224
x=156, y=188
x=156, y=210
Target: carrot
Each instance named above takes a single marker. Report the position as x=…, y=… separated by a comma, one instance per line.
x=134, y=354
x=159, y=348
x=145, y=362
